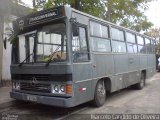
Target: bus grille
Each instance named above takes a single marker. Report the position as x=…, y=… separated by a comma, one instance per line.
x=36, y=87
x=42, y=77
x=37, y=77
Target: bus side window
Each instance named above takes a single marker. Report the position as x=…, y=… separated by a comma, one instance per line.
x=80, y=46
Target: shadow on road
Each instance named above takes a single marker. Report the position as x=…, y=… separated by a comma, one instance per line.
x=34, y=111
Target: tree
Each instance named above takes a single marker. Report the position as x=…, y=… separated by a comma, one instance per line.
x=95, y=8
x=127, y=13
x=155, y=33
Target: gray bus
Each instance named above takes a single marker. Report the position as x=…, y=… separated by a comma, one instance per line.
x=64, y=57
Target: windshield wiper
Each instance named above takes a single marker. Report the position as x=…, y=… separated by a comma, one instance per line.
x=50, y=59
x=25, y=59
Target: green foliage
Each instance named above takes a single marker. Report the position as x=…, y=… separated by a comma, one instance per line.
x=33, y=10
x=127, y=13
x=12, y=39
x=155, y=33
x=48, y=5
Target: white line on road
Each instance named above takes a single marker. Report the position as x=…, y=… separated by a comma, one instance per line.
x=153, y=79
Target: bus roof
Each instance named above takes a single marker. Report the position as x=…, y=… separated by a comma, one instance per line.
x=46, y=15
x=109, y=23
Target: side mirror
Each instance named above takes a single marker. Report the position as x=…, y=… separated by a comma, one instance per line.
x=5, y=43
x=75, y=29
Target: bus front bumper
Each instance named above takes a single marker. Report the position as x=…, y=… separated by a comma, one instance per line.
x=47, y=100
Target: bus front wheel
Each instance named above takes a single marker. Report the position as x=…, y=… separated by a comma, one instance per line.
x=141, y=84
x=100, y=94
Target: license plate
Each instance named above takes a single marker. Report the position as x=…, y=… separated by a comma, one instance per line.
x=32, y=98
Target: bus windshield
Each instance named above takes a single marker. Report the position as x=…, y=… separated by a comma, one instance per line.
x=43, y=45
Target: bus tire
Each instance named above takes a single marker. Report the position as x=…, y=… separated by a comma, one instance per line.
x=141, y=84
x=100, y=94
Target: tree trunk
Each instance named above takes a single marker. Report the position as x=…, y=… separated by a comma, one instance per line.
x=76, y=5
x=109, y=7
x=34, y=3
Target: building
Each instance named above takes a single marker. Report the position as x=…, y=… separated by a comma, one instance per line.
x=9, y=11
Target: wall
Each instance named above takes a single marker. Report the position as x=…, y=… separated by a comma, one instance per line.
x=7, y=52
x=1, y=44
x=7, y=8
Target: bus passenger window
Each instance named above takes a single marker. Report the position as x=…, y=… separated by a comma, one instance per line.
x=80, y=46
x=148, y=46
x=131, y=38
x=119, y=47
x=117, y=34
x=140, y=40
x=147, y=41
x=101, y=45
x=141, y=49
x=132, y=48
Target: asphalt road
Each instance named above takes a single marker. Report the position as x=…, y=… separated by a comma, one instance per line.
x=127, y=101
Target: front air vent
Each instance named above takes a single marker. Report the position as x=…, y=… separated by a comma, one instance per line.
x=42, y=77
x=37, y=77
x=35, y=87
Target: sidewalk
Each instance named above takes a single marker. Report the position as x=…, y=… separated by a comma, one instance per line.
x=4, y=95
x=5, y=100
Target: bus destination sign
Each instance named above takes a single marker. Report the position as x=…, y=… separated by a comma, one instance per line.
x=32, y=21
x=42, y=17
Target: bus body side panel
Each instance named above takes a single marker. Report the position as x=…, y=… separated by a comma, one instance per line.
x=82, y=76
x=82, y=71
x=133, y=72
x=104, y=67
x=151, y=65
x=122, y=69
x=120, y=77
x=143, y=62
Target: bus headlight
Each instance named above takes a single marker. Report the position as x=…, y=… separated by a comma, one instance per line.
x=61, y=89
x=16, y=85
x=56, y=88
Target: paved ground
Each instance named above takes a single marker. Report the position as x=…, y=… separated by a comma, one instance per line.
x=4, y=95
x=127, y=101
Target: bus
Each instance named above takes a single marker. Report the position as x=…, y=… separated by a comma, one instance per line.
x=63, y=57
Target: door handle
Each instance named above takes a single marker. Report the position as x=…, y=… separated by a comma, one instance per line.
x=131, y=60
x=94, y=66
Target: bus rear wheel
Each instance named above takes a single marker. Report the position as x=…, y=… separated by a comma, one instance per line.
x=100, y=94
x=141, y=84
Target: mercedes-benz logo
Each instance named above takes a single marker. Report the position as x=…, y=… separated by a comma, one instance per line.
x=34, y=81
